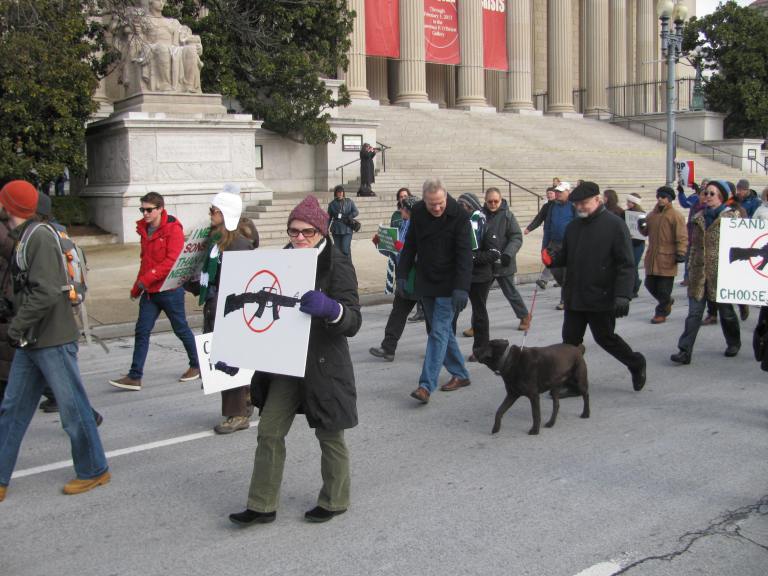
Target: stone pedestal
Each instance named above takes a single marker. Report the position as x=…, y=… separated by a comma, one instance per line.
x=185, y=157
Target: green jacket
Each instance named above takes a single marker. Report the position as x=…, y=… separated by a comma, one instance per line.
x=43, y=313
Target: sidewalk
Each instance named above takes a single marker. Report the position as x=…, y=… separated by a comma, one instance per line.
x=112, y=270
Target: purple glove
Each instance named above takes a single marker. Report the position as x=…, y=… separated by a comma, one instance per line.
x=318, y=305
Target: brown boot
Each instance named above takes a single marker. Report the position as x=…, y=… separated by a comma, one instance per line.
x=126, y=383
x=421, y=394
x=78, y=486
x=190, y=374
x=469, y=332
x=3, y=490
x=525, y=323
x=455, y=383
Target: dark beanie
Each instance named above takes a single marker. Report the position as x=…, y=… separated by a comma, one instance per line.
x=19, y=198
x=471, y=200
x=723, y=187
x=666, y=192
x=44, y=205
x=310, y=212
x=584, y=190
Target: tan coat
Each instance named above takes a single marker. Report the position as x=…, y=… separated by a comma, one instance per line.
x=702, y=261
x=667, y=237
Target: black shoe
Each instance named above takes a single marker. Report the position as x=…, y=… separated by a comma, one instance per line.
x=319, y=514
x=417, y=317
x=98, y=417
x=248, y=517
x=381, y=353
x=566, y=392
x=638, y=376
x=541, y=284
x=731, y=351
x=49, y=406
x=682, y=357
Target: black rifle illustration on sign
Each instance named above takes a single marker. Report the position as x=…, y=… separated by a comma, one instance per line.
x=747, y=253
x=262, y=298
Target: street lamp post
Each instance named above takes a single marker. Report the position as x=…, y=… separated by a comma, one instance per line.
x=671, y=49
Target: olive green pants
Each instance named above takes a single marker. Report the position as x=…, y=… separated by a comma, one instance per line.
x=276, y=418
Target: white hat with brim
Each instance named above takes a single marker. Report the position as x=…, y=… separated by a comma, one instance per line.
x=635, y=199
x=563, y=186
x=230, y=204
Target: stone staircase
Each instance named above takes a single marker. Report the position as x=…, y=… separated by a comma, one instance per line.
x=529, y=150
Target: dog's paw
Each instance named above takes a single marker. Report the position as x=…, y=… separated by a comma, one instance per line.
x=585, y=415
x=549, y=425
x=533, y=432
x=495, y=429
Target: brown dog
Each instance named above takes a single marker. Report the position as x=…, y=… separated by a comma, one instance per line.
x=531, y=371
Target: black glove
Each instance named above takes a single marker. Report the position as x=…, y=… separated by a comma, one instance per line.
x=459, y=300
x=224, y=367
x=506, y=260
x=495, y=254
x=6, y=309
x=621, y=306
x=400, y=287
x=642, y=225
x=679, y=258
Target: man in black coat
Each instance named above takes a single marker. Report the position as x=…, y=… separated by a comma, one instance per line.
x=600, y=275
x=439, y=236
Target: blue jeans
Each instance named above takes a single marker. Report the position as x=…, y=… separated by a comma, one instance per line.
x=172, y=303
x=344, y=242
x=729, y=323
x=637, y=251
x=442, y=348
x=30, y=371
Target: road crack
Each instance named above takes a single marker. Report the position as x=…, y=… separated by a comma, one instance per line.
x=726, y=525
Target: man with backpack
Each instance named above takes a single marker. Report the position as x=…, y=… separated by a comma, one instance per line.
x=162, y=240
x=45, y=335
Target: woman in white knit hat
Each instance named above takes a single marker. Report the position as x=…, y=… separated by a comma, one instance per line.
x=229, y=232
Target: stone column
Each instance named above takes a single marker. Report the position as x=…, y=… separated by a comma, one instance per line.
x=471, y=94
x=597, y=56
x=645, y=56
x=412, y=80
x=617, y=42
x=356, y=73
x=519, y=43
x=559, y=63
x=377, y=79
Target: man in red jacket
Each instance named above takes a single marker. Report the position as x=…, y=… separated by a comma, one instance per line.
x=162, y=239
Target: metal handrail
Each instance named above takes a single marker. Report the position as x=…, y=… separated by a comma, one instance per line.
x=384, y=149
x=678, y=137
x=509, y=187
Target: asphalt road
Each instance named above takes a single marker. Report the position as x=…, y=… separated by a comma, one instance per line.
x=670, y=480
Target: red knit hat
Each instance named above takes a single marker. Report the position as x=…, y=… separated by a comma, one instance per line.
x=310, y=212
x=19, y=198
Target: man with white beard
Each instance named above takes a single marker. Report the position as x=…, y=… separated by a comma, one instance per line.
x=600, y=276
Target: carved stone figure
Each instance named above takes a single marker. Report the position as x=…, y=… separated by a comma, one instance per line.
x=160, y=54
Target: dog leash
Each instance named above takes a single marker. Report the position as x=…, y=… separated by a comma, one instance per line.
x=533, y=308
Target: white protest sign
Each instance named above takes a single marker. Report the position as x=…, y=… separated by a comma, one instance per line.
x=215, y=379
x=685, y=172
x=258, y=322
x=191, y=258
x=632, y=218
x=742, y=268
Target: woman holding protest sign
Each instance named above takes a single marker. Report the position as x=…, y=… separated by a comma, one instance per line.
x=702, y=272
x=326, y=394
x=229, y=232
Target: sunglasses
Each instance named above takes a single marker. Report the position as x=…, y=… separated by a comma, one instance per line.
x=306, y=232
x=147, y=210
x=710, y=194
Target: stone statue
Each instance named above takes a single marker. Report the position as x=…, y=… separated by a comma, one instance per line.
x=160, y=54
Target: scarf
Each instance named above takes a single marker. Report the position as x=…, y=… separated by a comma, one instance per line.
x=711, y=214
x=210, y=268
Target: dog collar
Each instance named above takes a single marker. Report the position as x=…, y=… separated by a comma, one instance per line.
x=504, y=358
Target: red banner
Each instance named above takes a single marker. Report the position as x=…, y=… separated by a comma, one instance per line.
x=441, y=31
x=382, y=28
x=495, y=35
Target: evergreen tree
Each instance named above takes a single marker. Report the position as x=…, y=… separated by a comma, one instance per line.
x=734, y=43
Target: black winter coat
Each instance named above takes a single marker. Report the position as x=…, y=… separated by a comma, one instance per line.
x=329, y=397
x=599, y=262
x=504, y=231
x=443, y=247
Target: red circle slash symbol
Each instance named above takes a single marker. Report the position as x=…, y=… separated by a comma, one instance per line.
x=267, y=281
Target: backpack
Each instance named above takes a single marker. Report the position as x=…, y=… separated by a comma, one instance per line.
x=72, y=259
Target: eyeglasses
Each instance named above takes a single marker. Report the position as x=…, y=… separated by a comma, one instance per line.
x=148, y=210
x=306, y=232
x=709, y=193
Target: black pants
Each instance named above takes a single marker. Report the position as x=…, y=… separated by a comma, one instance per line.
x=401, y=307
x=478, y=297
x=660, y=288
x=603, y=326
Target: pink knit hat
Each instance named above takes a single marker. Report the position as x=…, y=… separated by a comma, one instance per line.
x=309, y=211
